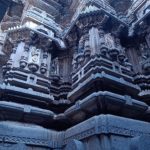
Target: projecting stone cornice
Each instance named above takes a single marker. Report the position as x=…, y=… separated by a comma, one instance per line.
x=23, y=33
x=93, y=8
x=96, y=103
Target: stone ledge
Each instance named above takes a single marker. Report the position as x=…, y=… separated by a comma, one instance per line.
x=107, y=124
x=104, y=101
x=29, y=134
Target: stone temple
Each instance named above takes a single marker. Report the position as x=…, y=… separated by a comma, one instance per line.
x=75, y=75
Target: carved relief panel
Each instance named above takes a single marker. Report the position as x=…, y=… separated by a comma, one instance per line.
x=34, y=59
x=54, y=66
x=145, y=57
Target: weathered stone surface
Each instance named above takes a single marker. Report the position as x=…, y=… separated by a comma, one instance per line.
x=75, y=75
x=140, y=142
x=75, y=145
x=104, y=131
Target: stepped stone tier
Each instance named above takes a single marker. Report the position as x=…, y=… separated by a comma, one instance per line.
x=75, y=75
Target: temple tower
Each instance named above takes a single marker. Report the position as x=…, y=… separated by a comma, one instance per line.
x=75, y=75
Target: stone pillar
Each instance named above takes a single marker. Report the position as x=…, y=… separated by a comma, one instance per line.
x=103, y=46
x=121, y=50
x=87, y=48
x=94, y=40
x=44, y=65
x=12, y=57
x=24, y=57
x=74, y=61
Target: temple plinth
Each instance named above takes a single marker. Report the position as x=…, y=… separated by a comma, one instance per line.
x=75, y=75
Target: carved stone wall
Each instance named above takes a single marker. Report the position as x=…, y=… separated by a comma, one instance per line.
x=75, y=75
x=101, y=132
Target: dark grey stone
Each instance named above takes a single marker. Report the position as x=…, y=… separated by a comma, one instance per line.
x=75, y=145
